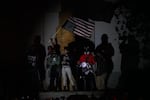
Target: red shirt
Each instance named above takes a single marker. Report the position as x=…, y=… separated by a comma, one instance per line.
x=87, y=58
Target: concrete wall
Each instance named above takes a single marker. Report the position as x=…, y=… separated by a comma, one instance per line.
x=50, y=24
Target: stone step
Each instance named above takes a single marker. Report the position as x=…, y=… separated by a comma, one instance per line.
x=66, y=94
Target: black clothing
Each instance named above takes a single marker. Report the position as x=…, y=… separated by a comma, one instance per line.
x=35, y=70
x=38, y=52
x=104, y=53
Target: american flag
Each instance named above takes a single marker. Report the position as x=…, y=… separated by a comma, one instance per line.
x=80, y=27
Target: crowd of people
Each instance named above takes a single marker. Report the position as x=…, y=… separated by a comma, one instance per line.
x=86, y=72
x=89, y=72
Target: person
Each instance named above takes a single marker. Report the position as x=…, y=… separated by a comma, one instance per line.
x=66, y=71
x=104, y=53
x=53, y=63
x=48, y=67
x=55, y=46
x=87, y=62
x=35, y=66
x=129, y=48
x=146, y=63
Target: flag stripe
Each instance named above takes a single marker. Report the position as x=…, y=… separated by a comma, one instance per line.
x=75, y=32
x=86, y=25
x=81, y=27
x=81, y=32
x=86, y=22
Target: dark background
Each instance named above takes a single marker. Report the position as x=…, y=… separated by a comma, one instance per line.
x=18, y=19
